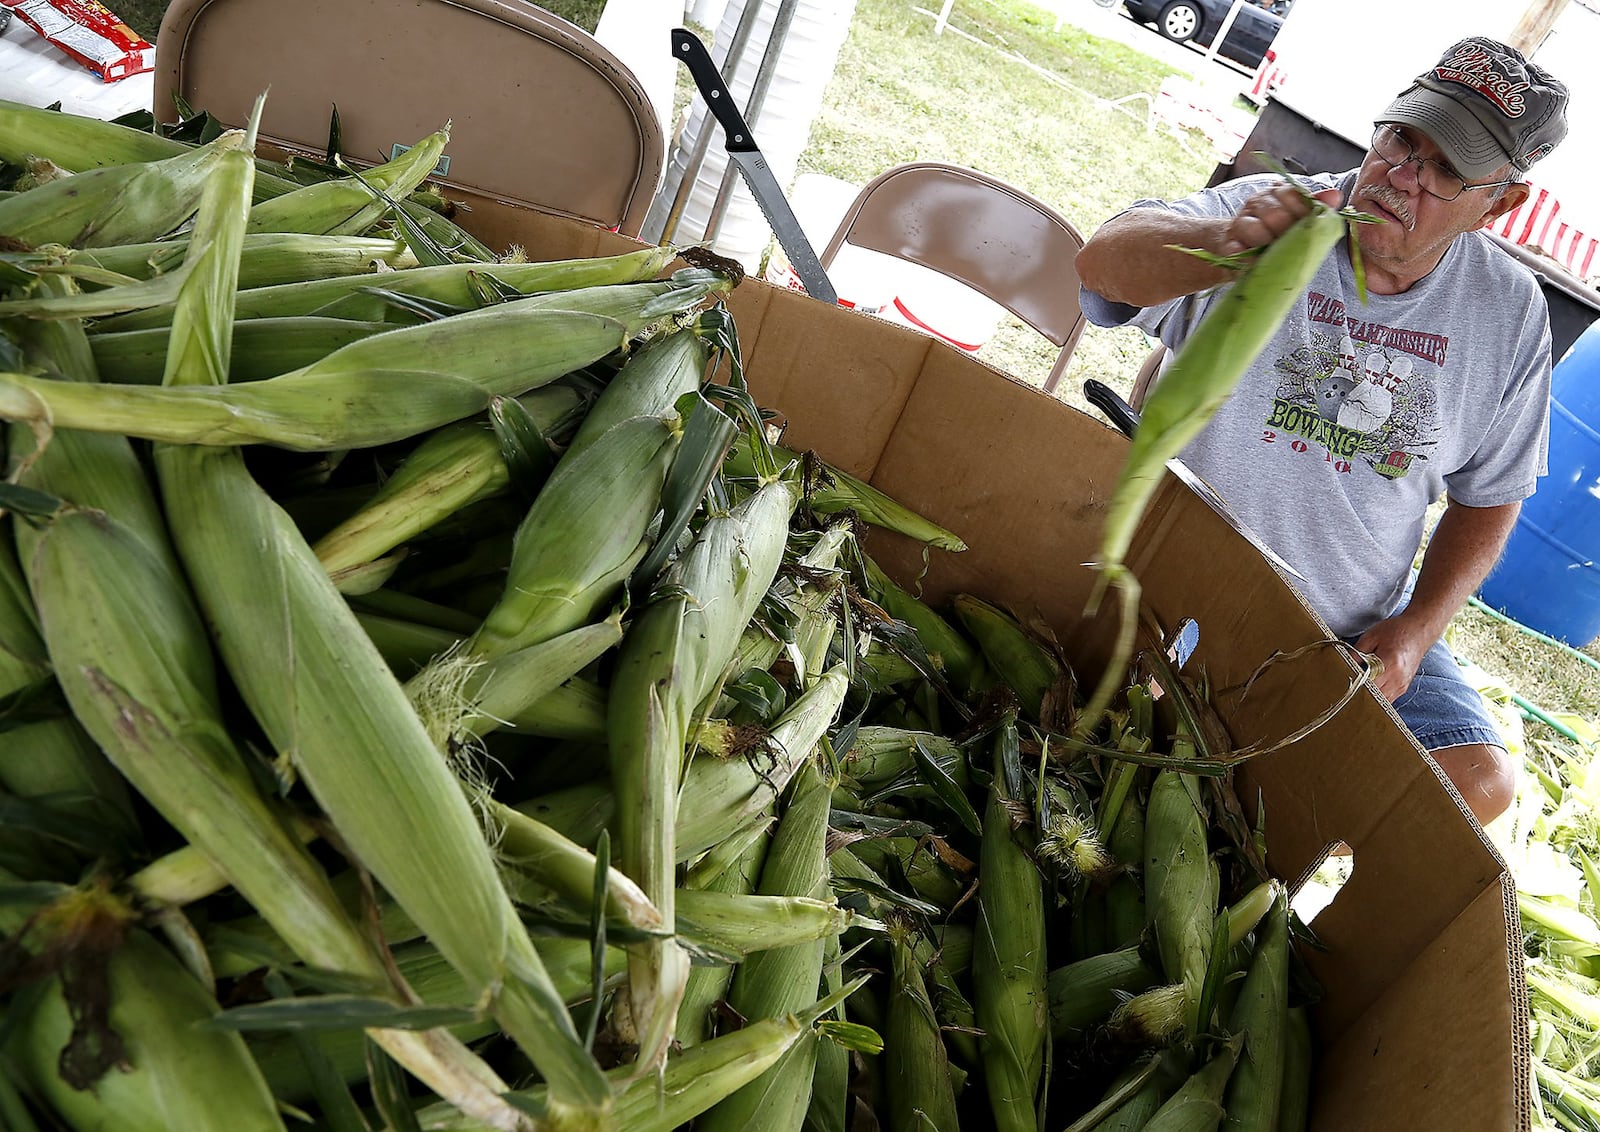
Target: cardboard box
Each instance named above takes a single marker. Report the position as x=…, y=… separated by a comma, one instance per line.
x=1425, y=1022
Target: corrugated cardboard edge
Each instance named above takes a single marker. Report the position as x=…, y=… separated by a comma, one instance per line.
x=1426, y=927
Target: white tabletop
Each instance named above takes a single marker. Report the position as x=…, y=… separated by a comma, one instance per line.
x=35, y=72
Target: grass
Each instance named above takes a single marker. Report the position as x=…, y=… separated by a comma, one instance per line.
x=1004, y=92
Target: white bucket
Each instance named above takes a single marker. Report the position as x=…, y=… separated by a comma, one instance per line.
x=810, y=51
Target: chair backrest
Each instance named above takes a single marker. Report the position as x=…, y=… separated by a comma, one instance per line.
x=1002, y=242
x=542, y=116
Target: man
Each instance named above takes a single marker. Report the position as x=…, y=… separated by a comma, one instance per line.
x=1357, y=417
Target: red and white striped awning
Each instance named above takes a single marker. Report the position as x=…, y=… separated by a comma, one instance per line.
x=1537, y=224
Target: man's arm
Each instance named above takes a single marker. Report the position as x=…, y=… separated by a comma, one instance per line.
x=1131, y=258
x=1465, y=546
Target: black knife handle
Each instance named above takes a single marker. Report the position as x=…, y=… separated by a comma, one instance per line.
x=1107, y=400
x=688, y=50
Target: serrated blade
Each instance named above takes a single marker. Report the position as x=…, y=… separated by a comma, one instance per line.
x=791, y=237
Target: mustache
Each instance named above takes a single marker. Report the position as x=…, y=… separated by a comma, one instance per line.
x=1392, y=200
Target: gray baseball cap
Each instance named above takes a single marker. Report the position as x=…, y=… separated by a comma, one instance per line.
x=1485, y=105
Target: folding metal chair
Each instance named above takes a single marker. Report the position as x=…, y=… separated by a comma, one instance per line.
x=1002, y=242
x=543, y=116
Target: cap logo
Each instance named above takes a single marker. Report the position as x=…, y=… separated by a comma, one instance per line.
x=1473, y=67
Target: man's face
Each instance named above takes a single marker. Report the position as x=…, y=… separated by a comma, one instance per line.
x=1418, y=226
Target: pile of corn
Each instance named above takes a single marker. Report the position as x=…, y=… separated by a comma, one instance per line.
x=430, y=704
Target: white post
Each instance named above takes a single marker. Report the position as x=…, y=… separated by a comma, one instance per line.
x=944, y=17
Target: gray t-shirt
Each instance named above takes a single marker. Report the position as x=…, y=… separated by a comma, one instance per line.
x=1356, y=418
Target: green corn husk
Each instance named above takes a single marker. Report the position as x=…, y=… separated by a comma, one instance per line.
x=1180, y=886
x=1135, y=1095
x=721, y=797
x=451, y=469
x=692, y=1081
x=1197, y=1105
x=648, y=385
x=134, y=660
x=587, y=529
x=327, y=702
x=742, y=925
x=1008, y=956
x=75, y=142
x=921, y=1098
x=829, y=1110
x=436, y=983
x=779, y=981
x=1260, y=1017
x=266, y=259
x=450, y=285
x=837, y=490
x=962, y=663
x=1084, y=993
x=345, y=207
x=384, y=388
x=672, y=659
x=883, y=755
x=373, y=391
x=567, y=869
x=262, y=348
x=1020, y=663
x=947, y=960
x=807, y=598
x=118, y=204
x=172, y=1074
x=1294, y=1108
x=707, y=985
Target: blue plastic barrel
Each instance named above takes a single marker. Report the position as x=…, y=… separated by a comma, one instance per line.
x=1549, y=575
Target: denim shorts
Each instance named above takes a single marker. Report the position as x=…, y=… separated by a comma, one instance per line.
x=1441, y=709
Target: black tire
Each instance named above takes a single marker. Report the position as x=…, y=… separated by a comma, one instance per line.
x=1180, y=21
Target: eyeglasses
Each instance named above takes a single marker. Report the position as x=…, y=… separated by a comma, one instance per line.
x=1437, y=180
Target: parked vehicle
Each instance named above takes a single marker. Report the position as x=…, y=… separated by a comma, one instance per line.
x=1200, y=20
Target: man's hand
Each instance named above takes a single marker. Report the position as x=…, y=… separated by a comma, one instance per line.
x=1268, y=215
x=1399, y=644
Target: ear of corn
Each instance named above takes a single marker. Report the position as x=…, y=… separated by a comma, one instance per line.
x=369, y=392
x=782, y=980
x=1017, y=660
x=263, y=348
x=1180, y=887
x=1084, y=993
x=265, y=259
x=954, y=653
x=671, y=659
x=449, y=285
x=452, y=468
x=1201, y=376
x=1197, y=1105
x=581, y=538
x=116, y=204
x=1008, y=959
x=172, y=1073
x=918, y=1077
x=345, y=206
x=1260, y=1018
x=707, y=985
